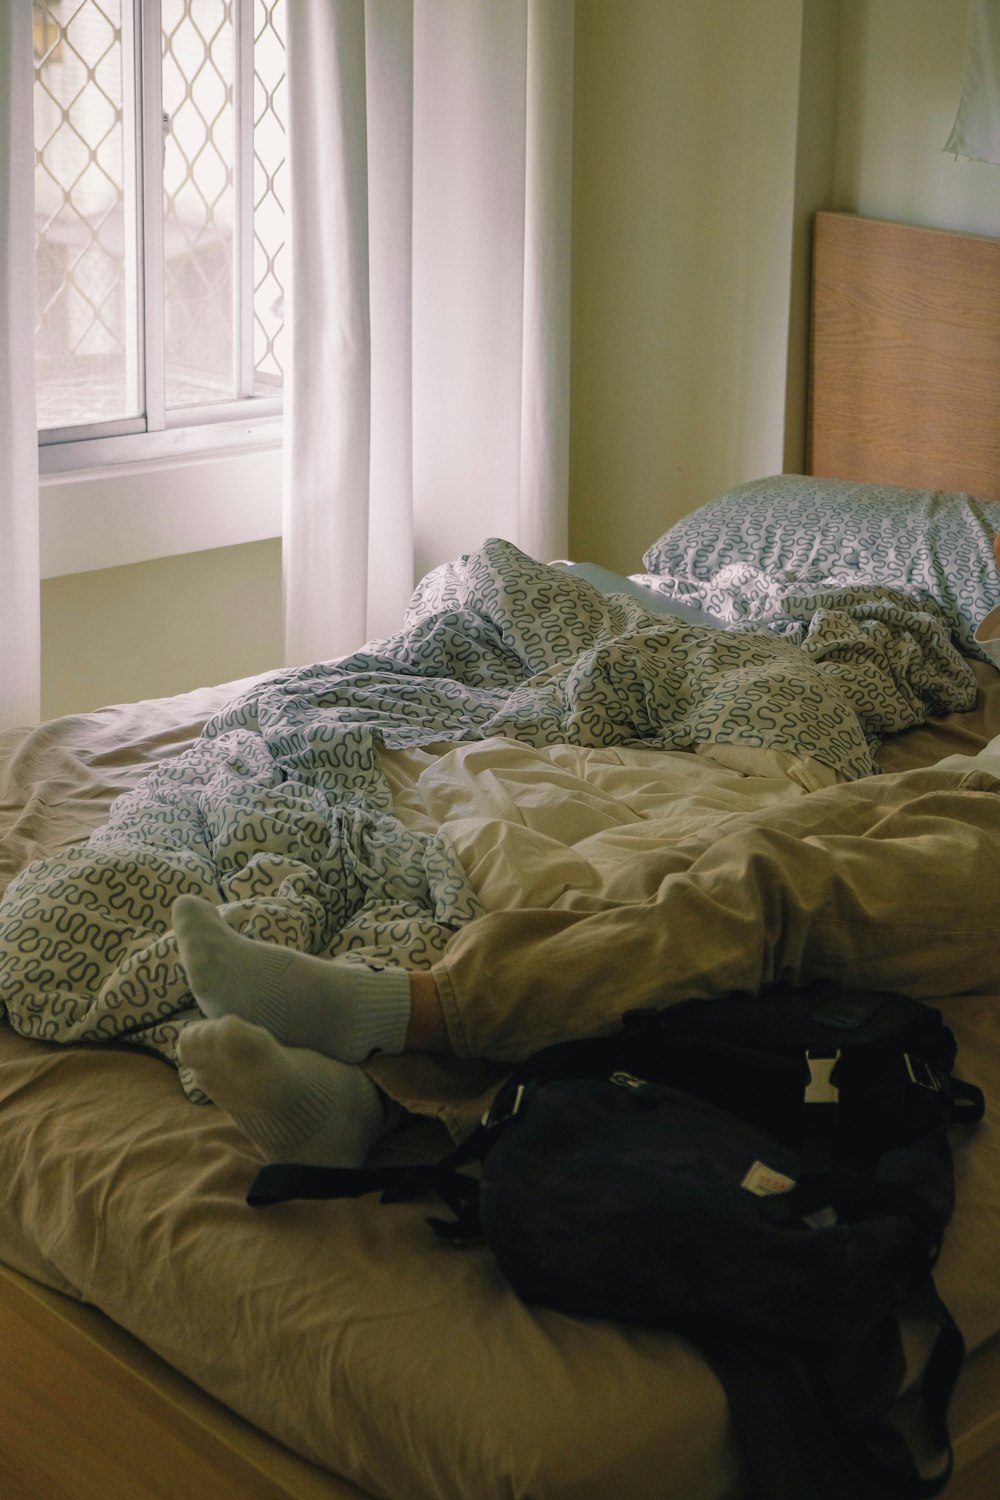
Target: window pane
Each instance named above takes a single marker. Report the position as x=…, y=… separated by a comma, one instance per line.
x=207, y=273
x=223, y=236
x=85, y=338
x=198, y=173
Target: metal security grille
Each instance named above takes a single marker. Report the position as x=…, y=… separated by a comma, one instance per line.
x=199, y=165
x=270, y=195
x=160, y=162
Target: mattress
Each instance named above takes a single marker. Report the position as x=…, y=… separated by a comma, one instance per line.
x=345, y=1329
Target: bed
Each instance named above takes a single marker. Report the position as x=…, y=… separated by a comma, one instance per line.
x=163, y=1338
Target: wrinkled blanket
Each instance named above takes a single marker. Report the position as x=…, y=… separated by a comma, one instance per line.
x=282, y=813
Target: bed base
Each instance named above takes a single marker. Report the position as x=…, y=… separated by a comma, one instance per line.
x=89, y=1412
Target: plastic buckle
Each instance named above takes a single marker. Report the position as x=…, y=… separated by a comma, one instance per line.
x=498, y=1115
x=927, y=1078
x=821, y=1088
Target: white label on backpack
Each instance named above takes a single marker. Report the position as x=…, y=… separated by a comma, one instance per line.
x=763, y=1180
x=823, y=1218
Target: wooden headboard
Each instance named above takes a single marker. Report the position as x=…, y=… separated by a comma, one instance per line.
x=904, y=378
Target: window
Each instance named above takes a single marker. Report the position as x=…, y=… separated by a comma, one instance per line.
x=159, y=191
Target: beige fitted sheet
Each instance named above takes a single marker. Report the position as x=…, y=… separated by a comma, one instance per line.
x=345, y=1329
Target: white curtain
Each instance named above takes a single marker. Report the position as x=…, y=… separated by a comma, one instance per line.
x=19, y=586
x=430, y=159
x=976, y=131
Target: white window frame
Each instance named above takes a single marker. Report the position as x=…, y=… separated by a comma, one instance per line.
x=189, y=432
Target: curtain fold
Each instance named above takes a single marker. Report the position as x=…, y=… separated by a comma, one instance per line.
x=976, y=131
x=19, y=559
x=428, y=401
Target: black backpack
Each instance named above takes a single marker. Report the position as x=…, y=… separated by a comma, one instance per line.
x=769, y=1177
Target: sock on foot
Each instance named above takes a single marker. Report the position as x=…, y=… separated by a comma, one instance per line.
x=344, y=1010
x=292, y=1104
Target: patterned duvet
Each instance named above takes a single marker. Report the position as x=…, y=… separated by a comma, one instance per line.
x=282, y=810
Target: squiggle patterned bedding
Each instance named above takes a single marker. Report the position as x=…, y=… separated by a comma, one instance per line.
x=743, y=554
x=281, y=810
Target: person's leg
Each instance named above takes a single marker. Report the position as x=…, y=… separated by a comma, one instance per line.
x=889, y=883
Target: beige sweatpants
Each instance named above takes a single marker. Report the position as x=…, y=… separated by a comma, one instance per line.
x=892, y=882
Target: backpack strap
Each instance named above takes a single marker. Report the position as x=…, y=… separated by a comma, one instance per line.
x=783, y=1434
x=937, y=1384
x=800, y=1438
x=281, y=1182
x=878, y=1448
x=967, y=1102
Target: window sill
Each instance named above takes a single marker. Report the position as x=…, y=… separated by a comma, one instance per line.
x=102, y=455
x=184, y=490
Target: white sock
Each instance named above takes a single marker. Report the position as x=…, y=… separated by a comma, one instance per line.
x=344, y=1010
x=292, y=1104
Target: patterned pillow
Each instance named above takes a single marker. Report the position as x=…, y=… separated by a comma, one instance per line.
x=755, y=541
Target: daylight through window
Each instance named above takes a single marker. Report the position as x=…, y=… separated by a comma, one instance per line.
x=159, y=193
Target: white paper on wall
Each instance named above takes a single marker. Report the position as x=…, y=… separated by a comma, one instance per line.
x=976, y=131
